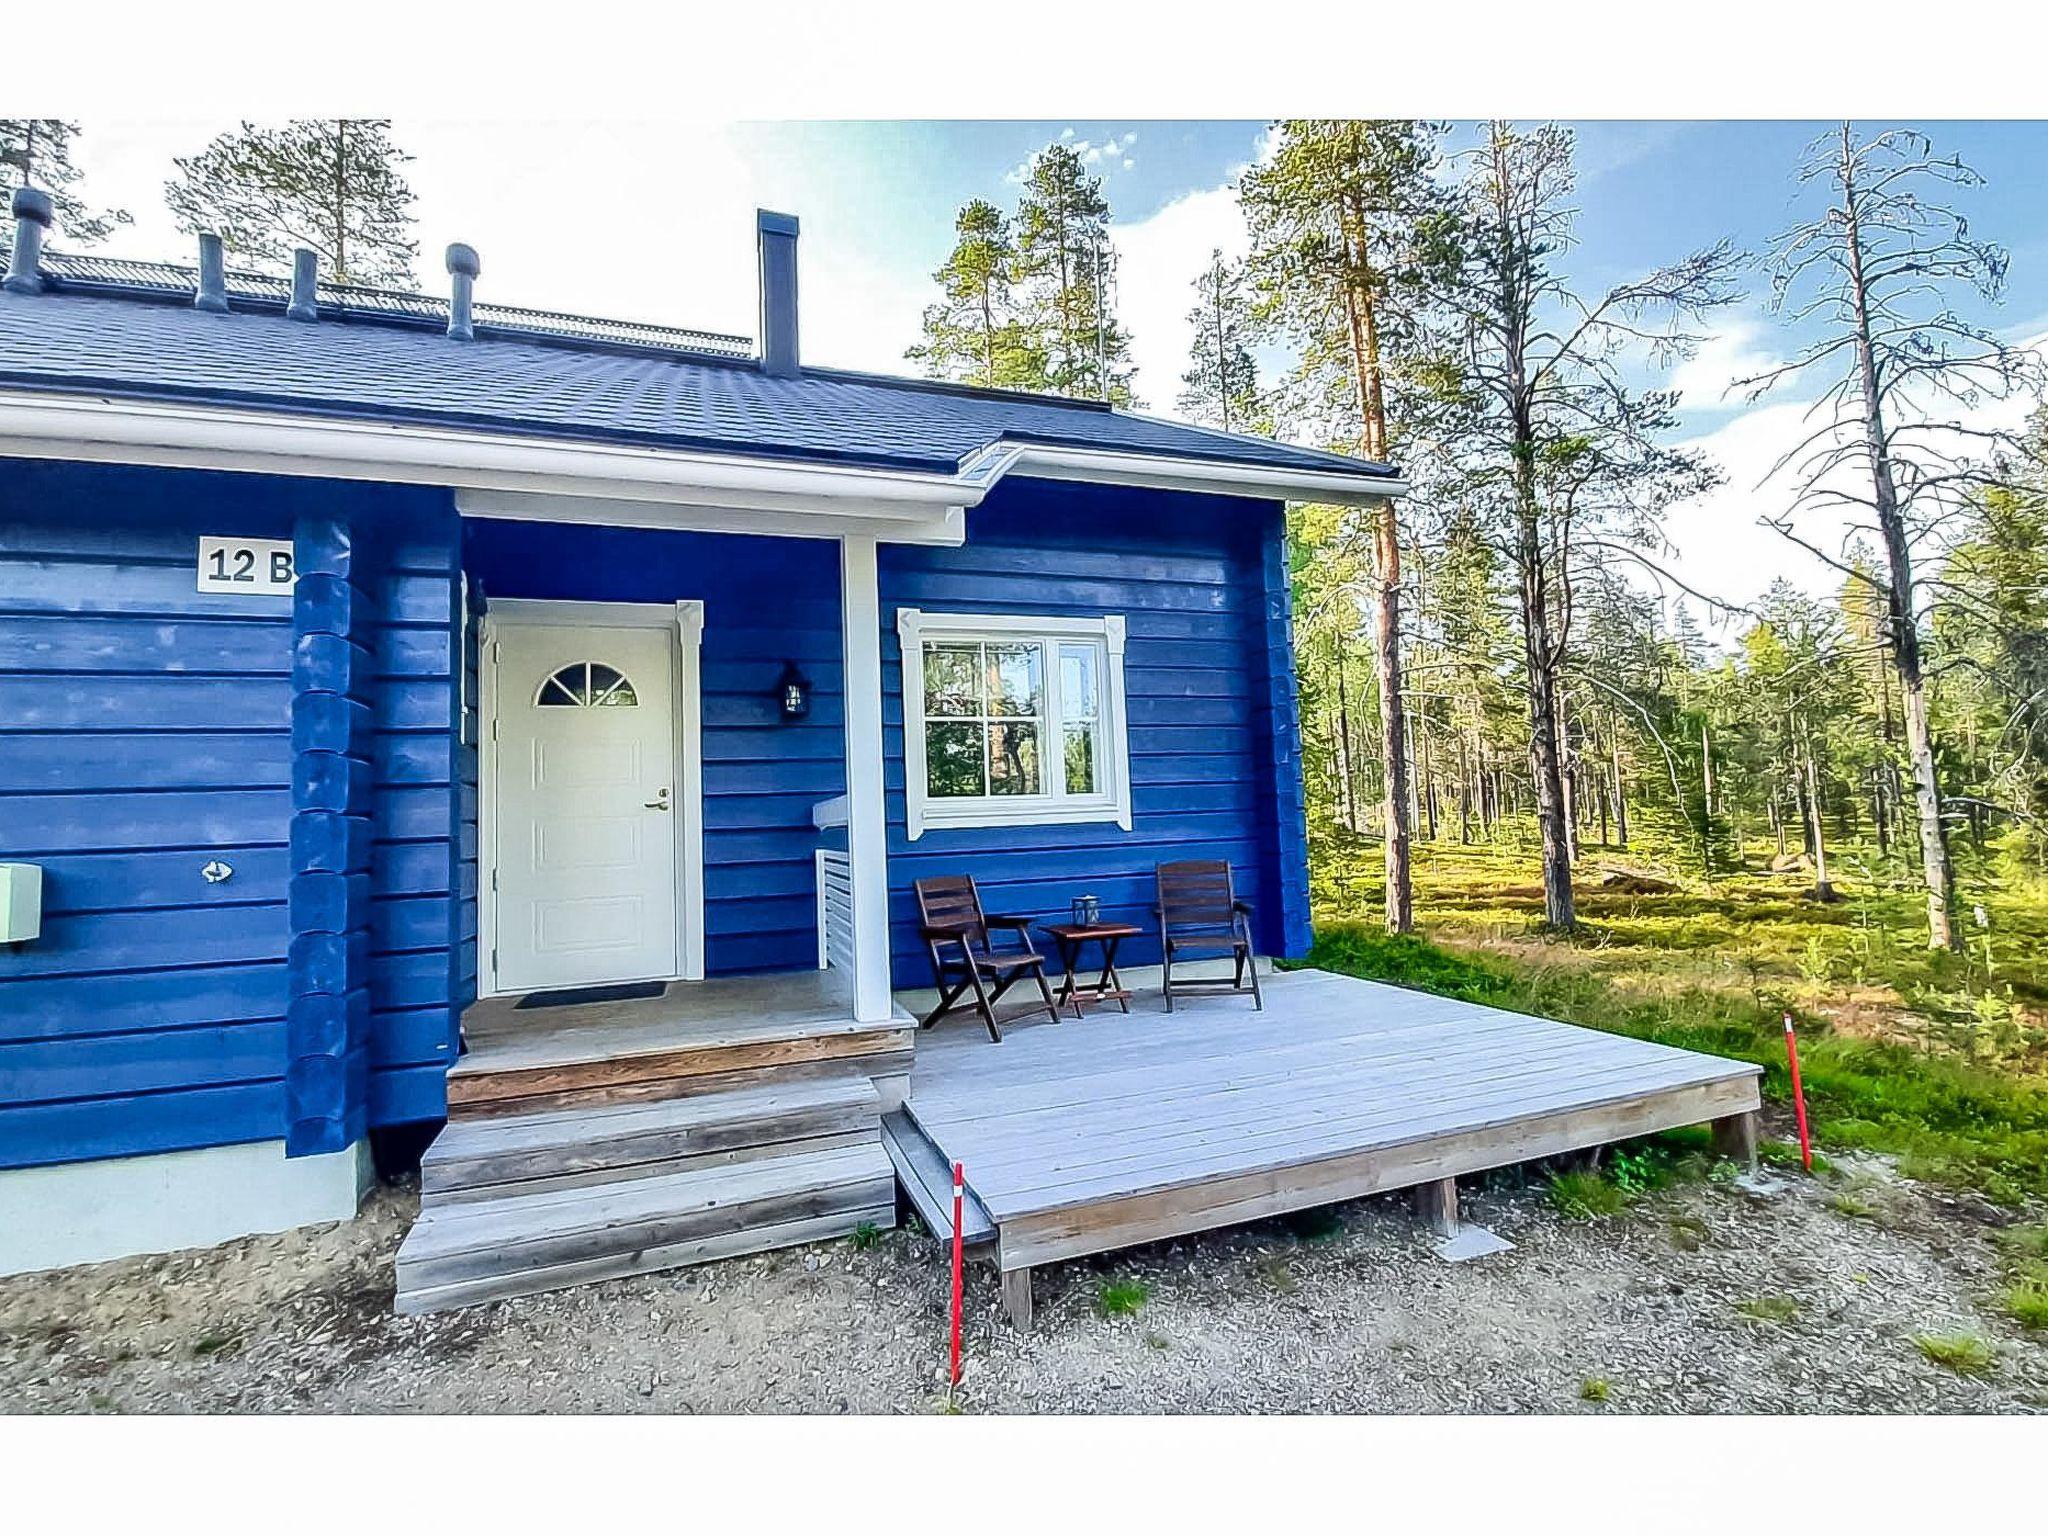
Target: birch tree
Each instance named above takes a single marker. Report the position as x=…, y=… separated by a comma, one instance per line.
x=1890, y=447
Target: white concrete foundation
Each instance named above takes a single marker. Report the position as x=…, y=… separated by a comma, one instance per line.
x=81, y=1213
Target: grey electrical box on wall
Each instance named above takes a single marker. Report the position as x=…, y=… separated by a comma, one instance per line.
x=21, y=902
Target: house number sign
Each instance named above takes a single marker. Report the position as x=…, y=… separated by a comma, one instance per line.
x=251, y=567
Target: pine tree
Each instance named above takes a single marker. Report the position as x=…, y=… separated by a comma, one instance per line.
x=973, y=335
x=1338, y=217
x=36, y=152
x=332, y=185
x=1540, y=425
x=1066, y=269
x=1223, y=377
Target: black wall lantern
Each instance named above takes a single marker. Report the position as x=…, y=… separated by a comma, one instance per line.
x=792, y=693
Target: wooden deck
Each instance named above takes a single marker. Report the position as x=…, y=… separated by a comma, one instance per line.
x=1103, y=1132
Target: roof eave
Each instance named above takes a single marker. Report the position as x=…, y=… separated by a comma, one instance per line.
x=1212, y=477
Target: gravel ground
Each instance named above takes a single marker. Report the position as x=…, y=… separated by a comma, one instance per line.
x=1348, y=1314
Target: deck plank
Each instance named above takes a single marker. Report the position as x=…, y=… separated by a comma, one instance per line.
x=1087, y=1125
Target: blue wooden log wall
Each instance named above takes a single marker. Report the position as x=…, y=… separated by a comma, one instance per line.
x=146, y=728
x=145, y=731
x=1208, y=668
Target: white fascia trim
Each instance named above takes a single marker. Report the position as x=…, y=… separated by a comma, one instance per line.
x=942, y=526
x=682, y=488
x=113, y=430
x=1103, y=466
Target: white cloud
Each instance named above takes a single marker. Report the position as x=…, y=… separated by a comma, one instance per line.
x=1158, y=260
x=1706, y=380
x=1721, y=547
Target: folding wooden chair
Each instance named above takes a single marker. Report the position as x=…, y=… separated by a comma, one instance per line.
x=1200, y=917
x=956, y=933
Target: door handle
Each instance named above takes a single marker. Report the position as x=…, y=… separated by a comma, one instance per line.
x=661, y=804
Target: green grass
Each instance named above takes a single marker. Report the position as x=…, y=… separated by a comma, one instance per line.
x=1964, y=1353
x=1584, y=1195
x=1121, y=1298
x=1595, y=1389
x=2025, y=1301
x=866, y=1235
x=1895, y=1052
x=1768, y=1309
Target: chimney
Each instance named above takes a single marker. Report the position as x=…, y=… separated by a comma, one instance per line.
x=32, y=212
x=463, y=268
x=213, y=277
x=305, y=304
x=777, y=233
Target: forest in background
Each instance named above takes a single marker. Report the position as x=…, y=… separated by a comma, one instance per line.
x=1545, y=771
x=1512, y=645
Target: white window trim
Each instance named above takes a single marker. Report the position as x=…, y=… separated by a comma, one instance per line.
x=923, y=813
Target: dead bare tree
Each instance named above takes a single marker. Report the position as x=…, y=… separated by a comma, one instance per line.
x=1889, y=446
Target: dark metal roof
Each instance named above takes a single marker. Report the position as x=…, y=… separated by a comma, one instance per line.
x=114, y=277
x=129, y=330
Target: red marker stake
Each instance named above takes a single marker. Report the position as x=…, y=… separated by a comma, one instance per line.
x=959, y=1201
x=1798, y=1096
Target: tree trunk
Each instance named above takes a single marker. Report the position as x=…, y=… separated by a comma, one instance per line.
x=1620, y=796
x=1822, y=886
x=1545, y=769
x=1346, y=777
x=1937, y=872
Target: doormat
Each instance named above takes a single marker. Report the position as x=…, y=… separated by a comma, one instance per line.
x=570, y=996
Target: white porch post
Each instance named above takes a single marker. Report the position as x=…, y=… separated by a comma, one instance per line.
x=867, y=829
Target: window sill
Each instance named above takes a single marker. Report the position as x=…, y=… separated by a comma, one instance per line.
x=1039, y=815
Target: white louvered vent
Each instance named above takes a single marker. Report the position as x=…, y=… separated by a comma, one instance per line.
x=835, y=910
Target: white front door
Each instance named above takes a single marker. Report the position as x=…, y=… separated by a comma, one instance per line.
x=585, y=809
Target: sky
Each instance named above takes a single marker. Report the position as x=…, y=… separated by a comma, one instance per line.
x=654, y=221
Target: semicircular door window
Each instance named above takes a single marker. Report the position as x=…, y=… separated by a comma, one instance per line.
x=587, y=685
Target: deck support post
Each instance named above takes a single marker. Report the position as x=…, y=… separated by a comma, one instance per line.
x=1017, y=1298
x=867, y=827
x=1735, y=1138
x=1437, y=1204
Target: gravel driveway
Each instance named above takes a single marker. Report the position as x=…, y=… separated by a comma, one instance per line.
x=1349, y=1314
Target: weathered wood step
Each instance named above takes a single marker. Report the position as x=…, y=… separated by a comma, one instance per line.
x=481, y=1250
x=501, y=1080
x=928, y=1182
x=485, y=1158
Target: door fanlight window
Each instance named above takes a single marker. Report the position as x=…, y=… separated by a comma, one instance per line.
x=587, y=685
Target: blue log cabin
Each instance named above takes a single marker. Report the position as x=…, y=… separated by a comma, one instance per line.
x=426, y=718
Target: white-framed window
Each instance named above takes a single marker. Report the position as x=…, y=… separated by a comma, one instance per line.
x=1013, y=720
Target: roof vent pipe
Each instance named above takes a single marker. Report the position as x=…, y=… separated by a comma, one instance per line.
x=463, y=267
x=32, y=213
x=213, y=277
x=305, y=304
x=777, y=235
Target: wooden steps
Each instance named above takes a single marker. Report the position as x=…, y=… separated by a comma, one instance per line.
x=465, y=1252
x=482, y=1159
x=591, y=1140
x=590, y=1076
x=928, y=1182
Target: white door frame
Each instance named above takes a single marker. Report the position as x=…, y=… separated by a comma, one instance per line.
x=685, y=622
